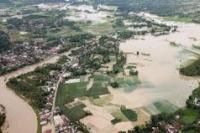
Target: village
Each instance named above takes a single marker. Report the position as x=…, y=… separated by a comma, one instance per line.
x=91, y=88
x=51, y=115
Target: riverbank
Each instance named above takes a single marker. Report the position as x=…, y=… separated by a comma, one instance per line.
x=21, y=117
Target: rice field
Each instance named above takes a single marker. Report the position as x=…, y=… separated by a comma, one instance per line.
x=161, y=106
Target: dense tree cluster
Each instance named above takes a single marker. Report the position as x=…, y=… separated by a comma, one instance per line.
x=30, y=88
x=5, y=43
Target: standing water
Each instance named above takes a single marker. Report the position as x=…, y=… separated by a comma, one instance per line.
x=158, y=72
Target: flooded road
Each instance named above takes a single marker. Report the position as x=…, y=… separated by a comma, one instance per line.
x=21, y=118
x=158, y=72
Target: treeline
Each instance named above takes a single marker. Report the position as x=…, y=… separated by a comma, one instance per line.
x=5, y=43
x=160, y=7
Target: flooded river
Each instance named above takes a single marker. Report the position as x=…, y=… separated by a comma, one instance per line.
x=21, y=118
x=158, y=72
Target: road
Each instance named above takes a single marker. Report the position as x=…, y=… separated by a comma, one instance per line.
x=54, y=99
x=20, y=117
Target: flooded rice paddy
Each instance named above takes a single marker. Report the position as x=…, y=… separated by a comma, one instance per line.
x=161, y=86
x=158, y=65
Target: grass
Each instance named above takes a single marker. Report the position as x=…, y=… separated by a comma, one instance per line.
x=119, y=115
x=165, y=106
x=98, y=88
x=124, y=114
x=75, y=113
x=189, y=116
x=128, y=84
x=67, y=94
x=101, y=101
x=101, y=77
x=99, y=28
x=130, y=114
x=17, y=37
x=179, y=19
x=162, y=106
x=63, y=32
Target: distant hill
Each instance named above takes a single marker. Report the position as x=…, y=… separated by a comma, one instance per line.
x=160, y=7
x=37, y=1
x=4, y=1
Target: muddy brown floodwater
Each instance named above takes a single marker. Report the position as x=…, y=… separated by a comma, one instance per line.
x=21, y=118
x=159, y=71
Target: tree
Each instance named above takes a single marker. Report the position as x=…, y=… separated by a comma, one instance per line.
x=5, y=43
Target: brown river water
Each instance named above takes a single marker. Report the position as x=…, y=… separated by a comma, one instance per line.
x=158, y=73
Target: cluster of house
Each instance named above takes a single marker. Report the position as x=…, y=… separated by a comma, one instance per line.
x=54, y=116
x=21, y=55
x=197, y=102
x=46, y=112
x=62, y=123
x=173, y=127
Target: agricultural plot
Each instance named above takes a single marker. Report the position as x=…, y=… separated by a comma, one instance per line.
x=102, y=100
x=128, y=84
x=123, y=115
x=162, y=106
x=67, y=94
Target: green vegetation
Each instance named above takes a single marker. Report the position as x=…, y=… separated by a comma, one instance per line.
x=68, y=92
x=165, y=106
x=29, y=85
x=189, y=116
x=115, y=121
x=114, y=84
x=100, y=28
x=75, y=113
x=66, y=95
x=178, y=10
x=192, y=70
x=130, y=114
x=133, y=72
x=179, y=19
x=125, y=34
x=124, y=114
x=184, y=120
x=98, y=88
x=101, y=101
x=5, y=43
x=128, y=84
x=101, y=77
x=120, y=62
